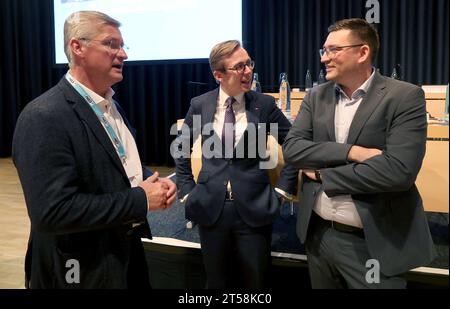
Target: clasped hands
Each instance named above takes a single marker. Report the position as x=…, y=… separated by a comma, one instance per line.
x=160, y=192
x=356, y=154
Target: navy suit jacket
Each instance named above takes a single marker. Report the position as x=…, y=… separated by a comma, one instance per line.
x=253, y=194
x=78, y=196
x=392, y=118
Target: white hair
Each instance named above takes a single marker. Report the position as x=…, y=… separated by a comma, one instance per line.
x=84, y=24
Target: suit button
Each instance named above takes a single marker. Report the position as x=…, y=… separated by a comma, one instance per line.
x=225, y=183
x=230, y=162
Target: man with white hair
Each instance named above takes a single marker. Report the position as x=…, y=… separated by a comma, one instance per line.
x=86, y=191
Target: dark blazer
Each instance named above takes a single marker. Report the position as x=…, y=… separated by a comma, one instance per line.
x=392, y=118
x=253, y=195
x=78, y=196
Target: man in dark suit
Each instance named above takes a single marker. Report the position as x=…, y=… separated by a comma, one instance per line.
x=81, y=173
x=233, y=201
x=360, y=140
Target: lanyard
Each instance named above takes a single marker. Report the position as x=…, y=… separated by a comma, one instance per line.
x=112, y=134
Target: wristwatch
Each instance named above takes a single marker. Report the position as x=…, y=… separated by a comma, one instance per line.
x=318, y=175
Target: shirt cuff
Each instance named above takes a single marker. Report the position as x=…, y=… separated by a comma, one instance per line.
x=286, y=195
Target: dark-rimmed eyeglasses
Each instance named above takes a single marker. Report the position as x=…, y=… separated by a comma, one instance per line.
x=112, y=44
x=240, y=67
x=333, y=50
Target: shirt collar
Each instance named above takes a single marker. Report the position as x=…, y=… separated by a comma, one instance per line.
x=358, y=93
x=103, y=102
x=223, y=96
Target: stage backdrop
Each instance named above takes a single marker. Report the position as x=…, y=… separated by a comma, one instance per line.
x=281, y=35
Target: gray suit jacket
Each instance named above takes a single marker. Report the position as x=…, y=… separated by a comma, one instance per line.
x=392, y=118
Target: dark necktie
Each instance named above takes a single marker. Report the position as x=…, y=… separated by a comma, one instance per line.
x=228, y=128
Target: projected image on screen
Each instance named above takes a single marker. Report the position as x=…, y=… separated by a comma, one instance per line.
x=161, y=29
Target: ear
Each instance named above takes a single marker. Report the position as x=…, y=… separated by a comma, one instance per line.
x=364, y=54
x=218, y=75
x=76, y=47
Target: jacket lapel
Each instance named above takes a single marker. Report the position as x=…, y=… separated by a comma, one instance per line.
x=87, y=115
x=252, y=109
x=252, y=112
x=370, y=102
x=209, y=107
x=330, y=110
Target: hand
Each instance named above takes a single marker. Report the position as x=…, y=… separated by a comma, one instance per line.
x=171, y=193
x=155, y=191
x=359, y=154
x=311, y=174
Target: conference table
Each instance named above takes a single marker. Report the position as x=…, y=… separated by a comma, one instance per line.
x=433, y=178
x=435, y=102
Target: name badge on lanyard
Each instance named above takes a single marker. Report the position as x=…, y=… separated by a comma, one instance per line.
x=109, y=130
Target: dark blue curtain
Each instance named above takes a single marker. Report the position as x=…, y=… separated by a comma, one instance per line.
x=285, y=36
x=281, y=35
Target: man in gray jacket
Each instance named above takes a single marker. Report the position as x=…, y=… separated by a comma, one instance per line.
x=360, y=140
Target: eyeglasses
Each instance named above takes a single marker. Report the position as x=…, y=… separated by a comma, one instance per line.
x=112, y=44
x=332, y=51
x=240, y=67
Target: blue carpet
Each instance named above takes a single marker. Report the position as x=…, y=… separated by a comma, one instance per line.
x=172, y=223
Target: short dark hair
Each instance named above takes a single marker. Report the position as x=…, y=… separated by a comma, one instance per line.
x=361, y=29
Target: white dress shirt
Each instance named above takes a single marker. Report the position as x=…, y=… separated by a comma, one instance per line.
x=132, y=163
x=239, y=113
x=342, y=208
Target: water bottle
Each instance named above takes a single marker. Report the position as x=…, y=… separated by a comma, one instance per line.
x=256, y=86
x=394, y=74
x=446, y=105
x=308, y=81
x=285, y=95
x=398, y=69
x=279, y=82
x=321, y=78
